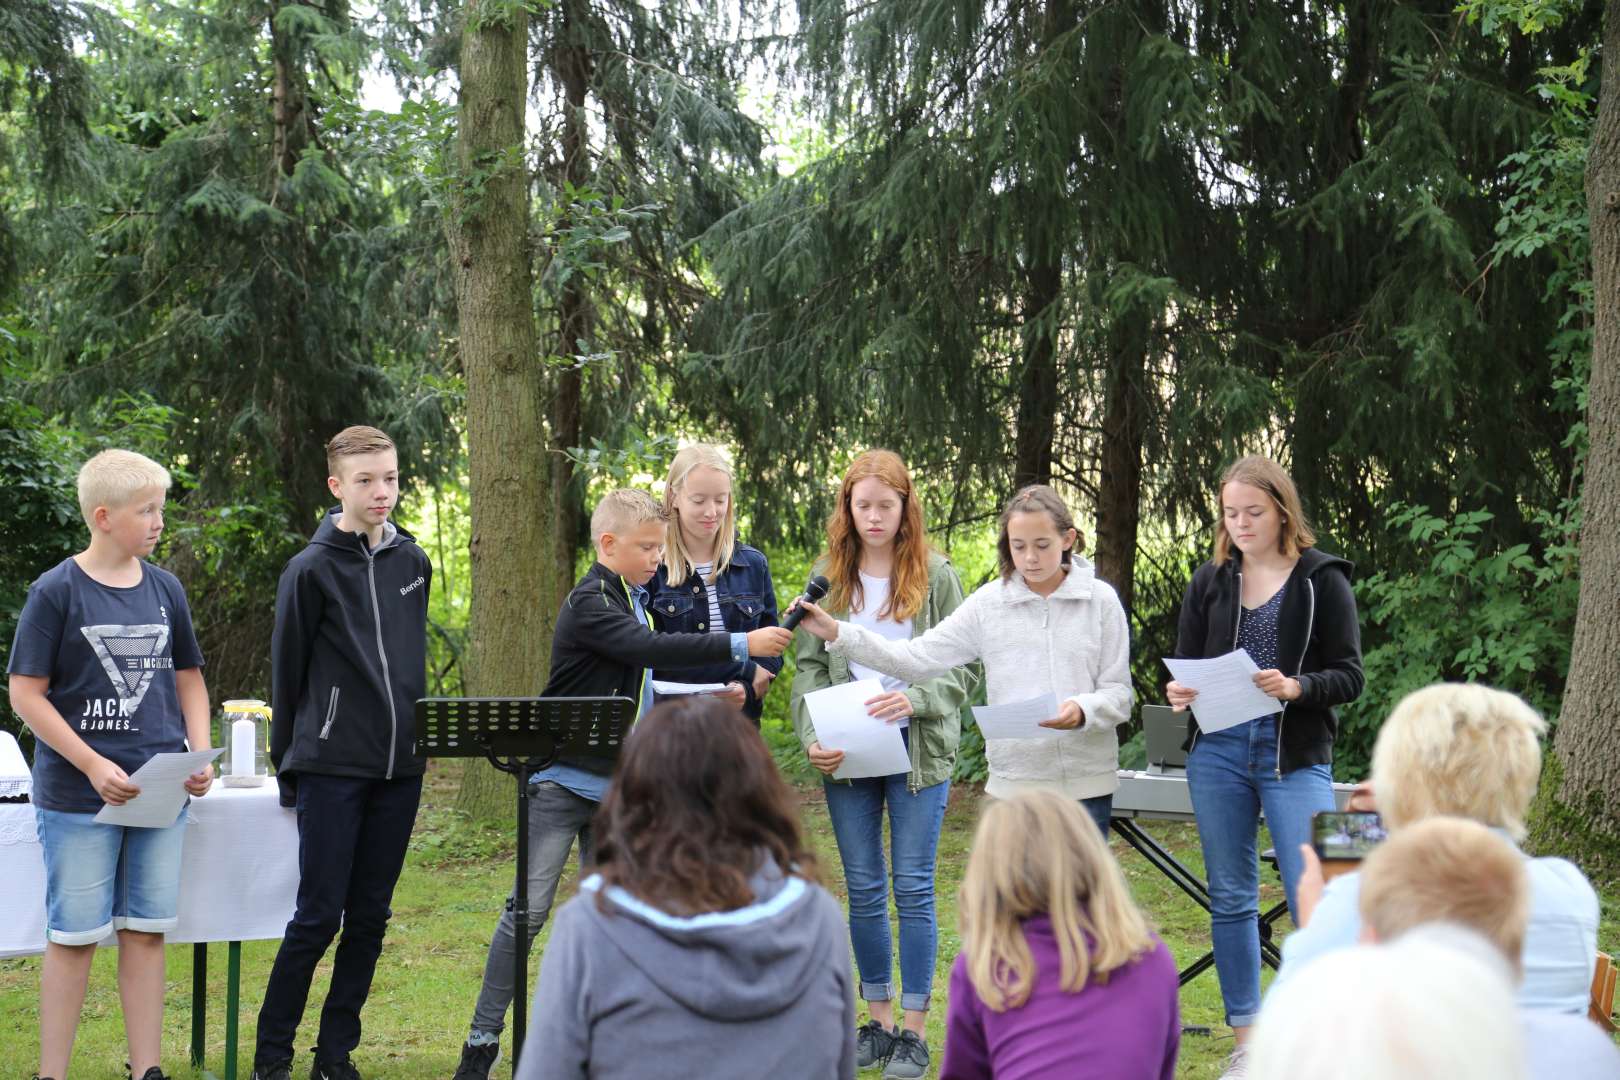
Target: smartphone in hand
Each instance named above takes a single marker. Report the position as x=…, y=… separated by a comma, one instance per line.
x=1345, y=835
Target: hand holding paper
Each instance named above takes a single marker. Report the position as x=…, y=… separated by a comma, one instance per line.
x=871, y=747
x=1018, y=719
x=1226, y=693
x=162, y=790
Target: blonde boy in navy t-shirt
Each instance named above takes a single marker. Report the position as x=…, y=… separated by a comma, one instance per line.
x=106, y=672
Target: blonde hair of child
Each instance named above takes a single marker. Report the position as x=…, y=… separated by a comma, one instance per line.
x=676, y=558
x=623, y=510
x=1448, y=870
x=114, y=477
x=1039, y=854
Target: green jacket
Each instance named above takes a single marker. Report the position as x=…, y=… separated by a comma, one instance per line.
x=936, y=705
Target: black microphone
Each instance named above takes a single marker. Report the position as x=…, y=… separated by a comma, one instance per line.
x=814, y=590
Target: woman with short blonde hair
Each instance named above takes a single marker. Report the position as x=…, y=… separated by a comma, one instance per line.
x=1437, y=749
x=1059, y=974
x=1473, y=752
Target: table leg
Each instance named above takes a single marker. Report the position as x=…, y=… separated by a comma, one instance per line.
x=233, y=987
x=1270, y=954
x=199, y=1002
x=1189, y=883
x=1166, y=863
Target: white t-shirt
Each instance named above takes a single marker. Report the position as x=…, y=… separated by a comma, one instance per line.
x=874, y=594
x=716, y=622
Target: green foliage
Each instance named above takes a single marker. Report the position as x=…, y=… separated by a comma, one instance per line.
x=1473, y=611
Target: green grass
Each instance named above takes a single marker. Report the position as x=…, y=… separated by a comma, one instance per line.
x=456, y=877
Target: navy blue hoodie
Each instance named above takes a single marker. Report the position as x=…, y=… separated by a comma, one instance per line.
x=349, y=655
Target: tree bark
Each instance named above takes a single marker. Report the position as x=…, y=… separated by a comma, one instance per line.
x=1587, y=744
x=573, y=69
x=1036, y=423
x=1119, y=483
x=489, y=240
x=1038, y=389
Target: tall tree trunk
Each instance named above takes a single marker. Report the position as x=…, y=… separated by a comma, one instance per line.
x=1119, y=483
x=1586, y=748
x=289, y=102
x=302, y=473
x=489, y=241
x=1036, y=423
x=573, y=69
x=1037, y=387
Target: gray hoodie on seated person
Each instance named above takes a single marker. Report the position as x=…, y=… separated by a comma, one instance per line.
x=632, y=991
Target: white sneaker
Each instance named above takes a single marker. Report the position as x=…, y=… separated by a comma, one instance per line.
x=1237, y=1065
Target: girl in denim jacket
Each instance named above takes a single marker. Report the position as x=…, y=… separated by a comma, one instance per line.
x=710, y=583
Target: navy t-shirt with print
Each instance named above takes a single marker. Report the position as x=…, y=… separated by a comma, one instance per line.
x=110, y=655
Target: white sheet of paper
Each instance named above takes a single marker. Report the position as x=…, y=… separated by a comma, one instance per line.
x=871, y=747
x=665, y=688
x=1018, y=719
x=162, y=781
x=1227, y=695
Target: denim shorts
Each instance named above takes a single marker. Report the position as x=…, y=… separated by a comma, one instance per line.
x=100, y=878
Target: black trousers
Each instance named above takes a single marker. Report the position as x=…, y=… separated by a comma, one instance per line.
x=352, y=836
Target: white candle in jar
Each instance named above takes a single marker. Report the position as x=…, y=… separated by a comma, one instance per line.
x=244, y=747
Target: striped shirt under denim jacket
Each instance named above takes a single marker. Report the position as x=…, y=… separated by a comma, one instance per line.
x=747, y=602
x=936, y=721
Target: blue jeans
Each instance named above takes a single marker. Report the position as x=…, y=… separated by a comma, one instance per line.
x=1100, y=809
x=100, y=878
x=1231, y=776
x=856, y=810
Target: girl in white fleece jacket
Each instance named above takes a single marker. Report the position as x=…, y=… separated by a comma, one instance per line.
x=1048, y=624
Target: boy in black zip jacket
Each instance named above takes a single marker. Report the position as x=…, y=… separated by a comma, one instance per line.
x=604, y=645
x=348, y=661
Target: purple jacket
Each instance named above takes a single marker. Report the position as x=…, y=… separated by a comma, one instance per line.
x=1128, y=1029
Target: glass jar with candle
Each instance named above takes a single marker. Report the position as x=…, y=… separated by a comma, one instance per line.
x=245, y=737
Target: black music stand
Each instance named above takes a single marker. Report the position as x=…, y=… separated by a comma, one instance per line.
x=519, y=736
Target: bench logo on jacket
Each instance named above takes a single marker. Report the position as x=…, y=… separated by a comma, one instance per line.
x=131, y=656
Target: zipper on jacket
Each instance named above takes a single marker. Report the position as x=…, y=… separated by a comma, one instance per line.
x=1237, y=628
x=641, y=697
x=382, y=653
x=1310, y=624
x=331, y=714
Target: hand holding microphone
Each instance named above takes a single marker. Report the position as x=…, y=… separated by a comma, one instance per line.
x=804, y=609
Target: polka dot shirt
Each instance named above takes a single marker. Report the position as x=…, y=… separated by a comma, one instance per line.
x=1257, y=630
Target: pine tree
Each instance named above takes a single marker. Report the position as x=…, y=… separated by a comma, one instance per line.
x=232, y=254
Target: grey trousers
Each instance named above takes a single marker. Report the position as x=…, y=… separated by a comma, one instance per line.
x=556, y=817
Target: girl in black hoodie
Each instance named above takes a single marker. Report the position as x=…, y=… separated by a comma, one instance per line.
x=1267, y=590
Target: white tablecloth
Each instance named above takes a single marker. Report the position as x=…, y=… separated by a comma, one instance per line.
x=239, y=871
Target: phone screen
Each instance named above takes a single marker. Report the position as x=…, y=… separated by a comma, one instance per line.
x=1345, y=835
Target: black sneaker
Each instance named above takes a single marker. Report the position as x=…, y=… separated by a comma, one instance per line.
x=154, y=1073
x=477, y=1061
x=341, y=1069
x=280, y=1070
x=908, y=1060
x=873, y=1044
